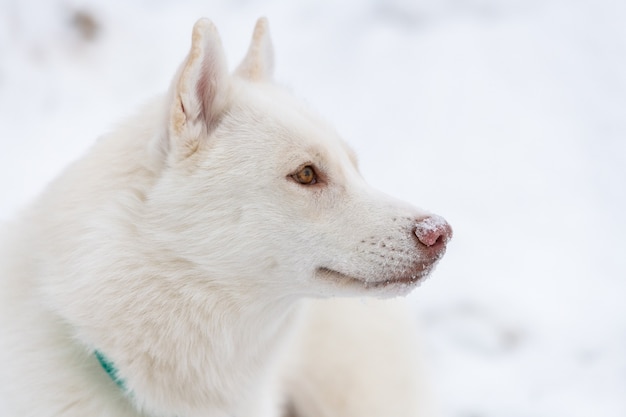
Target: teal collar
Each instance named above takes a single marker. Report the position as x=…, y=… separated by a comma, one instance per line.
x=110, y=369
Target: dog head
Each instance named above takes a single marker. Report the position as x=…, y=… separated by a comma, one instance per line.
x=256, y=186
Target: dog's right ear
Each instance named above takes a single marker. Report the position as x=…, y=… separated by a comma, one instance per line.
x=199, y=91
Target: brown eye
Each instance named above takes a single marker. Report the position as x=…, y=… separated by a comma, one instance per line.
x=306, y=175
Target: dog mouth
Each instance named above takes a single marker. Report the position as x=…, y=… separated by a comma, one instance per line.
x=409, y=280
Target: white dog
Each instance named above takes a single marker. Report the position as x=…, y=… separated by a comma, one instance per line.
x=166, y=273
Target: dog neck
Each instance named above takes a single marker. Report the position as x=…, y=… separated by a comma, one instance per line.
x=184, y=345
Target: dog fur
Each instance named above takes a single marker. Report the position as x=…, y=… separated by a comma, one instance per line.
x=186, y=247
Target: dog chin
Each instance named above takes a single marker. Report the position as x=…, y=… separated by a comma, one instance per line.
x=388, y=287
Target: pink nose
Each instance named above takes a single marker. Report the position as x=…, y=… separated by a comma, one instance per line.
x=433, y=230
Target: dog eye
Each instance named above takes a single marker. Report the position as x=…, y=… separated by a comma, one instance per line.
x=306, y=175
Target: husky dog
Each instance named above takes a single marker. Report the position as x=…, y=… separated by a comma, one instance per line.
x=192, y=264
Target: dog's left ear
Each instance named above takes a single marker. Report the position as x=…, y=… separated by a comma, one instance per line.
x=258, y=64
x=199, y=92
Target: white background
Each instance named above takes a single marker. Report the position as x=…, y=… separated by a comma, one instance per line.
x=506, y=117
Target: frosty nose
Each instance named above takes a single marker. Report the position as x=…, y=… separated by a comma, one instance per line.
x=433, y=230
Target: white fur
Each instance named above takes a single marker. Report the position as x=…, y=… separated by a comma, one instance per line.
x=183, y=249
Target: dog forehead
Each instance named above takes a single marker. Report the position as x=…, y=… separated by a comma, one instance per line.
x=285, y=121
x=276, y=102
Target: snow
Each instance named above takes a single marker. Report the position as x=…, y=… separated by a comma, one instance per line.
x=507, y=117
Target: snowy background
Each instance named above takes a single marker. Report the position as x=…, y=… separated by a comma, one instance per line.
x=507, y=117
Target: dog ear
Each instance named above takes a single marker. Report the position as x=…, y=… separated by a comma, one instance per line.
x=199, y=91
x=258, y=64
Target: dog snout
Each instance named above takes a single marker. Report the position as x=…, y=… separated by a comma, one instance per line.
x=433, y=231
